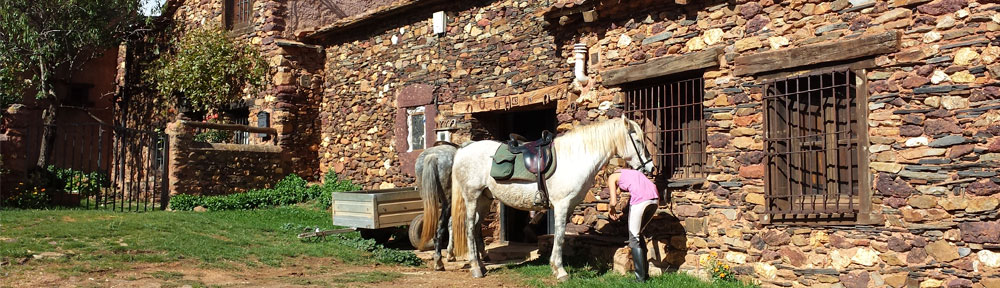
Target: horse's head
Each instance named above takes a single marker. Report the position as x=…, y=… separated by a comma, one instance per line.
x=635, y=152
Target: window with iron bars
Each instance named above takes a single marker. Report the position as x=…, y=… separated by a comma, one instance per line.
x=671, y=113
x=814, y=133
x=239, y=15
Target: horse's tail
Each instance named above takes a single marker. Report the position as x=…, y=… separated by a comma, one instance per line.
x=430, y=190
x=459, y=240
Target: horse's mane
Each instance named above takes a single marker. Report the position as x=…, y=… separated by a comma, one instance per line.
x=602, y=136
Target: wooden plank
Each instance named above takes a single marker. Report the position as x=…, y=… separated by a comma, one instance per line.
x=359, y=207
x=353, y=197
x=403, y=206
x=663, y=66
x=396, y=196
x=883, y=43
x=864, y=176
x=397, y=219
x=539, y=96
x=356, y=221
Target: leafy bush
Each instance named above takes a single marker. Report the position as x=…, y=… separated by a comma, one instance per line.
x=353, y=240
x=332, y=183
x=719, y=269
x=404, y=257
x=290, y=190
x=214, y=136
x=39, y=187
x=208, y=69
x=79, y=182
x=28, y=197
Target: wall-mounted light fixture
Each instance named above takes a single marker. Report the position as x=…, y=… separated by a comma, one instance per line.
x=440, y=23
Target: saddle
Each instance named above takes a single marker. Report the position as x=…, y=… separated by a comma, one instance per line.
x=537, y=156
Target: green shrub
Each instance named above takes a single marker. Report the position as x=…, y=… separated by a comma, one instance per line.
x=37, y=189
x=290, y=190
x=404, y=257
x=78, y=182
x=28, y=197
x=214, y=136
x=332, y=183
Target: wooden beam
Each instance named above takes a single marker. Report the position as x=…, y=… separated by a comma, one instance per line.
x=664, y=66
x=539, y=96
x=883, y=43
x=373, y=17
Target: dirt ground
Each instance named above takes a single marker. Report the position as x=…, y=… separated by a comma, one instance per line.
x=313, y=272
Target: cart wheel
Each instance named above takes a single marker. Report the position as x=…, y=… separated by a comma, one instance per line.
x=380, y=236
x=416, y=226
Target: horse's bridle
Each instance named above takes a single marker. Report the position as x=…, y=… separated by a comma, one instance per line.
x=632, y=140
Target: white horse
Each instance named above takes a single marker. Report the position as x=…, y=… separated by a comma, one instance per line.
x=579, y=155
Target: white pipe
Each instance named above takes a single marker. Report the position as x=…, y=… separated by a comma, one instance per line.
x=580, y=55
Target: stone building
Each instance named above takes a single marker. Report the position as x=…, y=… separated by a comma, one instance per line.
x=808, y=143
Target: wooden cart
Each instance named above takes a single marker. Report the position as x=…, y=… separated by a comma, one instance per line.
x=380, y=213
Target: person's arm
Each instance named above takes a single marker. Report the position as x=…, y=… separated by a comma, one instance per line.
x=613, y=189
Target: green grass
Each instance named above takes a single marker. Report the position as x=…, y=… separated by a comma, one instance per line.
x=103, y=240
x=586, y=273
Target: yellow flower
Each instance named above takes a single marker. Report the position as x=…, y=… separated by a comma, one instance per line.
x=723, y=275
x=726, y=266
x=716, y=269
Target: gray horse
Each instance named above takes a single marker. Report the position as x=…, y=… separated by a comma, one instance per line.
x=433, y=169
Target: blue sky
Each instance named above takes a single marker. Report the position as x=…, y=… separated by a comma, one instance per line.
x=151, y=7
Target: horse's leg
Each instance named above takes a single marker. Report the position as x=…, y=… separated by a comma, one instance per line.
x=484, y=209
x=471, y=210
x=555, y=261
x=441, y=234
x=451, y=244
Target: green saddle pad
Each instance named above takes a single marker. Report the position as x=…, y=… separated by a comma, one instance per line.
x=509, y=166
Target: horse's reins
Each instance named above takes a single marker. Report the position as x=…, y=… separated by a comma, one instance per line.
x=644, y=161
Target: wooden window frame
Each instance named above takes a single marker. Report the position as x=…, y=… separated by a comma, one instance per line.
x=671, y=113
x=864, y=203
x=412, y=143
x=238, y=20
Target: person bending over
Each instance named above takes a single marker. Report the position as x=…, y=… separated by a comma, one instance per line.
x=642, y=206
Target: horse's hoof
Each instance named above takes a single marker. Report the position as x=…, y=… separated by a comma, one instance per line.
x=563, y=278
x=451, y=258
x=438, y=265
x=477, y=273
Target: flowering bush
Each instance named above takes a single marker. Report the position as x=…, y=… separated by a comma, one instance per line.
x=29, y=197
x=718, y=268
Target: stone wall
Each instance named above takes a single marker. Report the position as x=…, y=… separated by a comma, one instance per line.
x=199, y=168
x=491, y=49
x=292, y=95
x=933, y=133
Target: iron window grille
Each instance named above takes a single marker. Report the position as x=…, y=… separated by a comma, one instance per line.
x=814, y=131
x=672, y=115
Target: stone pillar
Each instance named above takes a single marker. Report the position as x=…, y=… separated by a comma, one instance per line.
x=179, y=138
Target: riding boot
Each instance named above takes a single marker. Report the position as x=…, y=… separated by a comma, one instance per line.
x=638, y=246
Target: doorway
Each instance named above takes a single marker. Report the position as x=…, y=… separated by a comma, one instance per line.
x=516, y=225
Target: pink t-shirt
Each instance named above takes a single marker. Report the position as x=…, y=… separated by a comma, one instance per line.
x=637, y=185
